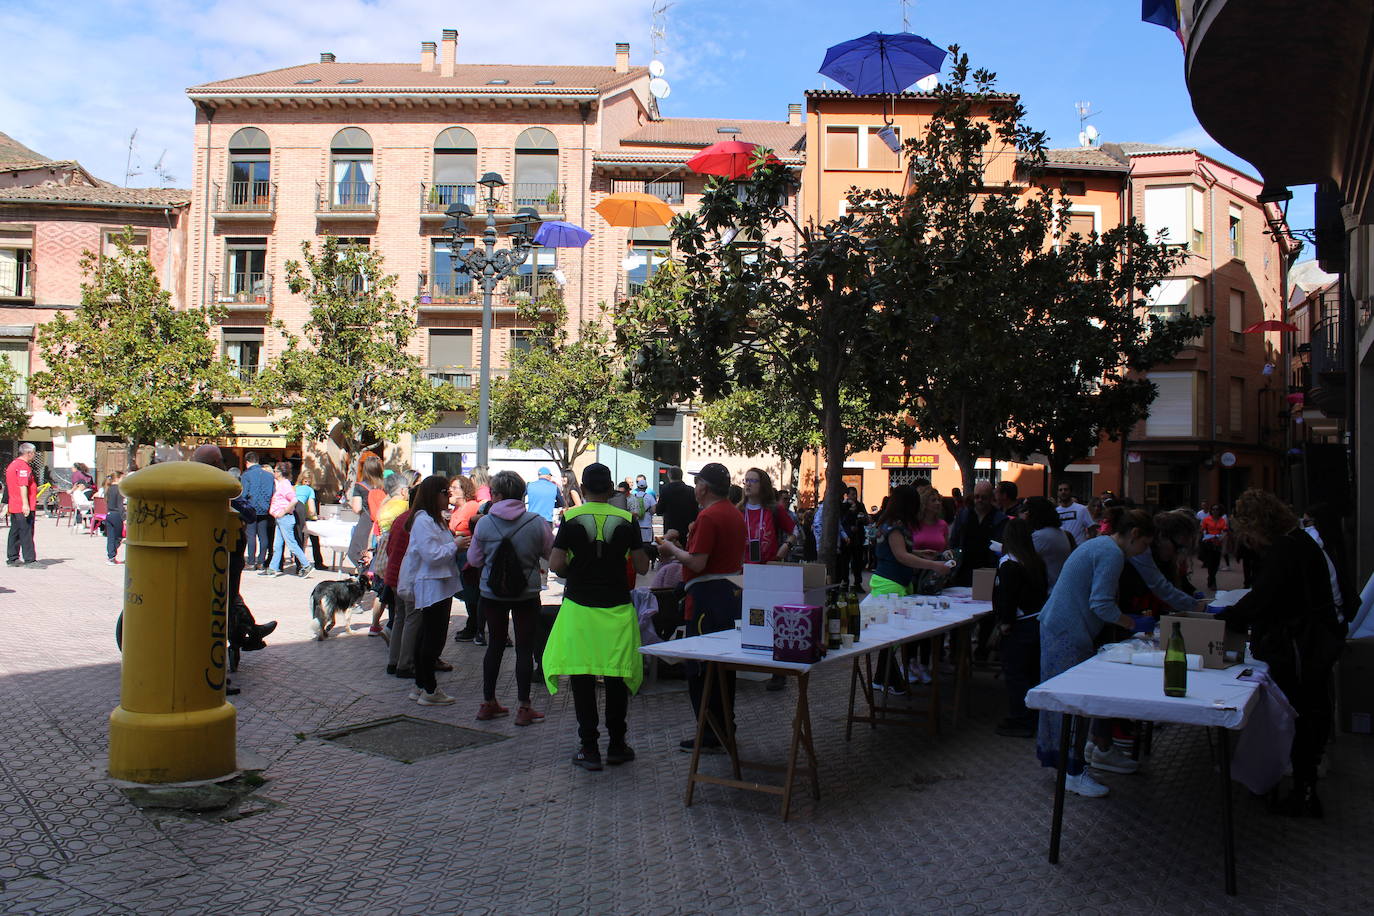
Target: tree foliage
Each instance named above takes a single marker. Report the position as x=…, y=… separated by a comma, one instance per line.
x=14, y=419
x=126, y=362
x=348, y=376
x=565, y=395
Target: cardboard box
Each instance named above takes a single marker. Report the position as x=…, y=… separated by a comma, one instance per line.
x=982, y=583
x=798, y=633
x=1355, y=686
x=768, y=585
x=1204, y=635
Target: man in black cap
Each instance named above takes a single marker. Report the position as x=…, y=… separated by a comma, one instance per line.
x=597, y=630
x=715, y=552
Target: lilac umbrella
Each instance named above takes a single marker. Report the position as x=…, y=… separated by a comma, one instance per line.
x=556, y=233
x=882, y=63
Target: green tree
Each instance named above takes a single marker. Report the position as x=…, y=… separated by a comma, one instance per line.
x=14, y=419
x=126, y=362
x=348, y=376
x=1018, y=323
x=746, y=303
x=565, y=395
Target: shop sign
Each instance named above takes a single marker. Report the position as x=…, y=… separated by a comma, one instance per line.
x=238, y=441
x=931, y=462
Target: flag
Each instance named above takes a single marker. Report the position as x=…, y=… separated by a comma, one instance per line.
x=1162, y=12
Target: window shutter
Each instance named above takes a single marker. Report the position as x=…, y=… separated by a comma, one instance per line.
x=1166, y=209
x=1171, y=412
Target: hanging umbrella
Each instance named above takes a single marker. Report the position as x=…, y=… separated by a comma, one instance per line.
x=556, y=233
x=634, y=209
x=882, y=63
x=1270, y=324
x=733, y=159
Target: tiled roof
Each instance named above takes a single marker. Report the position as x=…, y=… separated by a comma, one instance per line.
x=1081, y=158
x=12, y=151
x=466, y=79
x=23, y=165
x=698, y=132
x=1145, y=149
x=109, y=196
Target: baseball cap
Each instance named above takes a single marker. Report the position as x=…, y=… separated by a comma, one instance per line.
x=715, y=474
x=545, y=472
x=596, y=478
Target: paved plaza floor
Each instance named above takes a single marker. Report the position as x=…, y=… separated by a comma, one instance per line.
x=907, y=823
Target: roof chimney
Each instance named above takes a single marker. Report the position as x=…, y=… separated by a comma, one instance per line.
x=622, y=57
x=449, y=53
x=794, y=113
x=326, y=57
x=427, y=56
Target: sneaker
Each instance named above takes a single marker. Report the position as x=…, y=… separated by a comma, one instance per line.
x=34, y=565
x=490, y=709
x=463, y=636
x=1112, y=760
x=526, y=715
x=14, y=563
x=441, y=665
x=620, y=753
x=112, y=561
x=917, y=673
x=306, y=570
x=414, y=694
x=896, y=690
x=1085, y=785
x=374, y=630
x=707, y=746
x=437, y=698
x=588, y=758
x=479, y=640
x=266, y=571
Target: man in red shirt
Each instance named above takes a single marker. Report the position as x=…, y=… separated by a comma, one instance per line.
x=715, y=551
x=23, y=504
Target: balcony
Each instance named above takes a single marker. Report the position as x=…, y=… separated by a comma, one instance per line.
x=242, y=292
x=346, y=200
x=17, y=285
x=436, y=198
x=245, y=200
x=670, y=192
x=548, y=198
x=245, y=372
x=1327, y=369
x=459, y=376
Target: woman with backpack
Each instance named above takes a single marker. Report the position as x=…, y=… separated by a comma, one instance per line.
x=508, y=544
x=429, y=578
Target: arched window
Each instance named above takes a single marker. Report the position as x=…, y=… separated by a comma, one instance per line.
x=536, y=171
x=350, y=156
x=455, y=170
x=250, y=171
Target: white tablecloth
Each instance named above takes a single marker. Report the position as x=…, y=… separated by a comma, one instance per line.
x=1104, y=689
x=725, y=645
x=331, y=532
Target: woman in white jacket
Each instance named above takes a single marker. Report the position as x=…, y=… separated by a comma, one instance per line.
x=429, y=577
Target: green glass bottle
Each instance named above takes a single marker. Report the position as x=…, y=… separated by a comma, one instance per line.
x=834, y=624
x=855, y=616
x=1176, y=665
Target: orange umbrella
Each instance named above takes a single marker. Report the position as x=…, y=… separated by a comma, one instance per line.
x=634, y=209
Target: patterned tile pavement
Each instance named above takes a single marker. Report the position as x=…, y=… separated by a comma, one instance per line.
x=907, y=823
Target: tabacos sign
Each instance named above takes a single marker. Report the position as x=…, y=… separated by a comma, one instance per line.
x=930, y=462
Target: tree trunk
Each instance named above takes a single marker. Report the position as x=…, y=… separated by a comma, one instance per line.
x=834, y=474
x=132, y=445
x=967, y=461
x=794, y=463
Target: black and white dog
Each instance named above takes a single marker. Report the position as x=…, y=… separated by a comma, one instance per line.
x=329, y=600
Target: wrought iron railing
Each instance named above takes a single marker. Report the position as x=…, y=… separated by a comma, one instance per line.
x=437, y=197
x=243, y=288
x=18, y=283
x=347, y=197
x=255, y=197
x=543, y=196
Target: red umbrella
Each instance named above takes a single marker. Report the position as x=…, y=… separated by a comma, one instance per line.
x=731, y=159
x=1271, y=324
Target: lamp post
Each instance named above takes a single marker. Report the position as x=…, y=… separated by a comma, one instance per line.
x=491, y=266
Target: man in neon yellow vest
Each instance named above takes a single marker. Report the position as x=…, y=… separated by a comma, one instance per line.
x=597, y=630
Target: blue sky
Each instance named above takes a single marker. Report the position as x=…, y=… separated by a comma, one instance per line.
x=87, y=77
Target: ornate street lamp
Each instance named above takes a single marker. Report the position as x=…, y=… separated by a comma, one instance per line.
x=491, y=266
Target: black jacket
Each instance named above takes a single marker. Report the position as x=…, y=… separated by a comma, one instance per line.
x=677, y=503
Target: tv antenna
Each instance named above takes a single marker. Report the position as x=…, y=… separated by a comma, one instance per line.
x=164, y=176
x=129, y=170
x=1087, y=133
x=906, y=15
x=658, y=27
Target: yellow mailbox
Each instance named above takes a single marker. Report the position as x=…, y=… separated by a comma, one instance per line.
x=172, y=723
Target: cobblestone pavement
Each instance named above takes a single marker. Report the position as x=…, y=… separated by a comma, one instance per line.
x=907, y=823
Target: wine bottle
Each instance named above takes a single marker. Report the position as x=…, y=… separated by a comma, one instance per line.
x=834, y=625
x=855, y=616
x=1176, y=665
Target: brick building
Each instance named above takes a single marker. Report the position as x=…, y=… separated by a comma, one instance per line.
x=51, y=213
x=375, y=152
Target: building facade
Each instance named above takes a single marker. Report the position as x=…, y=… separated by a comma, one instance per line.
x=51, y=214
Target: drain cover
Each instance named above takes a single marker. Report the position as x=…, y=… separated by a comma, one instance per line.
x=408, y=739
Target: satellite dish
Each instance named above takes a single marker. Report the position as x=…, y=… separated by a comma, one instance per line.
x=659, y=88
x=656, y=68
x=1083, y=138
x=928, y=83
x=1091, y=132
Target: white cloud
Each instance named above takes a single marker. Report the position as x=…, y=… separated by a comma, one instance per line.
x=1191, y=138
x=82, y=81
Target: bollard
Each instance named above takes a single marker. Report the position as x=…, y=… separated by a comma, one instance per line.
x=172, y=723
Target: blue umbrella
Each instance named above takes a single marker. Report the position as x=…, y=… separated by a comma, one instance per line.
x=556, y=233
x=882, y=63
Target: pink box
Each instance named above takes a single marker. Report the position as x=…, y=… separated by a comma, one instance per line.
x=798, y=633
